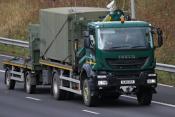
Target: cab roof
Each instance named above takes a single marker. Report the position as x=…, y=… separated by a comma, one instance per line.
x=115, y=24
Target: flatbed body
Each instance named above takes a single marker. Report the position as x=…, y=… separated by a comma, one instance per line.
x=19, y=67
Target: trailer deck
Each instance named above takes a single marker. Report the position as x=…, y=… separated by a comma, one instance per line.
x=18, y=62
x=17, y=68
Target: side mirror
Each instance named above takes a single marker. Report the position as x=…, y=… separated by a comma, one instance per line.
x=86, y=39
x=87, y=42
x=160, y=37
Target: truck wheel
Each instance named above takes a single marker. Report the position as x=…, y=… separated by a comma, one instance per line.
x=9, y=83
x=57, y=92
x=144, y=97
x=29, y=87
x=88, y=99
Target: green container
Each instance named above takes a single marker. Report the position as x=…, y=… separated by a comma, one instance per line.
x=59, y=27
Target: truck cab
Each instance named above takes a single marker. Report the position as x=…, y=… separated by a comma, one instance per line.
x=119, y=59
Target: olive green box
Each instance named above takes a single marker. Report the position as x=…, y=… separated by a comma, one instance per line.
x=63, y=25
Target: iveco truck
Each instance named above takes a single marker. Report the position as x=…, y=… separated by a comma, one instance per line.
x=88, y=51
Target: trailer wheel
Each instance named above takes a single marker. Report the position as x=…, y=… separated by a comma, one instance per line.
x=88, y=99
x=144, y=96
x=29, y=87
x=58, y=94
x=8, y=81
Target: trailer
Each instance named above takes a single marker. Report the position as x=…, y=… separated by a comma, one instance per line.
x=90, y=52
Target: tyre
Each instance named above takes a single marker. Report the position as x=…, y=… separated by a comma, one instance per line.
x=144, y=96
x=88, y=98
x=29, y=87
x=8, y=81
x=58, y=94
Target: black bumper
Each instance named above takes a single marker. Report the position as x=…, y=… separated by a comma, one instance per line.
x=115, y=82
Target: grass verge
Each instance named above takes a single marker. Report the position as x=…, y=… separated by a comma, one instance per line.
x=166, y=77
x=14, y=50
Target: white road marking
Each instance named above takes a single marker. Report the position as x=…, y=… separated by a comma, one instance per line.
x=165, y=85
x=36, y=99
x=164, y=104
x=3, y=55
x=155, y=102
x=92, y=112
x=2, y=71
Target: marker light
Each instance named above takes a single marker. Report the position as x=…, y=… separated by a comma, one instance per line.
x=152, y=75
x=101, y=76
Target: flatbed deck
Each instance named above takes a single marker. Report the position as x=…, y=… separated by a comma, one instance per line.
x=18, y=62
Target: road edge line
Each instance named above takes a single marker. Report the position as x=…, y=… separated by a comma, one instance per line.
x=165, y=85
x=155, y=102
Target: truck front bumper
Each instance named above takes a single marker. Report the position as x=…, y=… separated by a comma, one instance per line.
x=115, y=83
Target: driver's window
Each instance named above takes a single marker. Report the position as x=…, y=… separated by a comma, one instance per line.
x=92, y=37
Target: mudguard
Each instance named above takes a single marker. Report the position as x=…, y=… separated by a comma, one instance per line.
x=88, y=69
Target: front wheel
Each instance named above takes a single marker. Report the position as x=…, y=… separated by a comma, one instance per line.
x=88, y=98
x=29, y=87
x=144, y=96
x=8, y=81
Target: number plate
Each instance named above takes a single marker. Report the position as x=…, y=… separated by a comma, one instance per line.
x=127, y=81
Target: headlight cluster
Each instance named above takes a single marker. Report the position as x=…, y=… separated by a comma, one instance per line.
x=151, y=81
x=102, y=79
x=102, y=82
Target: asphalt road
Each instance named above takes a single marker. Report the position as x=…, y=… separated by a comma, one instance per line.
x=16, y=103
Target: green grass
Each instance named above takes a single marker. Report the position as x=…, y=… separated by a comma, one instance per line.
x=13, y=50
x=166, y=77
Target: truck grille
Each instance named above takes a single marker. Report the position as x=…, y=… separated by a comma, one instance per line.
x=128, y=75
x=131, y=63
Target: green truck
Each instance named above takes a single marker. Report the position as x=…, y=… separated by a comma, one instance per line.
x=76, y=50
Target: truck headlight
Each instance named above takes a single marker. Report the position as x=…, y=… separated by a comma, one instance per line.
x=102, y=82
x=151, y=81
x=152, y=75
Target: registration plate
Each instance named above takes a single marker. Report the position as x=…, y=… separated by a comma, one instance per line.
x=127, y=81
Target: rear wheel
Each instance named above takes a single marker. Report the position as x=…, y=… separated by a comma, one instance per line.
x=8, y=81
x=88, y=98
x=144, y=96
x=29, y=87
x=58, y=94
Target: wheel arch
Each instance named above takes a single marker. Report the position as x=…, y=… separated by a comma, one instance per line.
x=86, y=73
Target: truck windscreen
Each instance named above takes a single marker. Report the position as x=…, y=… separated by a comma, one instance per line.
x=124, y=38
